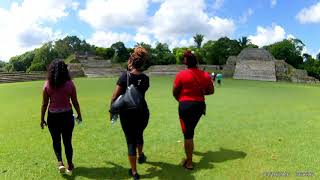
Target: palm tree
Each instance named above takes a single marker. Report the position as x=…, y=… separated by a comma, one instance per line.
x=198, y=38
x=244, y=42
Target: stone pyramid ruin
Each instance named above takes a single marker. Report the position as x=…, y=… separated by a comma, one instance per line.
x=259, y=64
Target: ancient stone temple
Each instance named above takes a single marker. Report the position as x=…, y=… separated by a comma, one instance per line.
x=259, y=64
x=255, y=64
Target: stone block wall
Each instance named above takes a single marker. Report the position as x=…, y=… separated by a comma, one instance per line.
x=255, y=70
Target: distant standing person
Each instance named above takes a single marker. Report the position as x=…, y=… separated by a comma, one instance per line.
x=57, y=92
x=134, y=121
x=219, y=78
x=189, y=89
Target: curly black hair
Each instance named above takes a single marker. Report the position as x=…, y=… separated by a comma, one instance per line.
x=58, y=74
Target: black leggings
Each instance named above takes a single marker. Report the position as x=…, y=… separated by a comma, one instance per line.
x=133, y=124
x=190, y=113
x=61, y=124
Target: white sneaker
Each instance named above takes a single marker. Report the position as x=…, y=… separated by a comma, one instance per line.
x=69, y=169
x=62, y=169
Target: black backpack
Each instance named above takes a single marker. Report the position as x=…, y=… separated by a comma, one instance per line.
x=131, y=99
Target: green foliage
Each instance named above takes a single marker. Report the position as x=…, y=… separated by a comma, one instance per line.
x=178, y=53
x=37, y=67
x=244, y=42
x=311, y=65
x=198, y=38
x=217, y=52
x=106, y=53
x=22, y=62
x=2, y=66
x=289, y=50
x=163, y=55
x=71, y=59
x=40, y=58
x=44, y=56
x=121, y=52
x=318, y=56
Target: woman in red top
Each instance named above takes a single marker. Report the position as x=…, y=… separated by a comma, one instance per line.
x=58, y=90
x=189, y=89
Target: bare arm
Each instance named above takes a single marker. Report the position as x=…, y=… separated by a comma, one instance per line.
x=210, y=89
x=76, y=105
x=116, y=93
x=176, y=92
x=44, y=106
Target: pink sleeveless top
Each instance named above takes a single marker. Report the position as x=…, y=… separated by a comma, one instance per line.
x=60, y=97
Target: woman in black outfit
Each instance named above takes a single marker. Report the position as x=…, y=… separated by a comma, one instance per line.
x=134, y=122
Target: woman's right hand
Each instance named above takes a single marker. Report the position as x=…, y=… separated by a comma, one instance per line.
x=43, y=123
x=79, y=118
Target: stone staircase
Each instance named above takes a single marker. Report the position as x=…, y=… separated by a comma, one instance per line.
x=6, y=77
x=255, y=70
x=100, y=68
x=163, y=70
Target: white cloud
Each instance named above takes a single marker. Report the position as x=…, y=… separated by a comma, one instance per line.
x=106, y=39
x=273, y=3
x=108, y=14
x=244, y=18
x=268, y=35
x=218, y=4
x=310, y=14
x=143, y=35
x=157, y=1
x=171, y=26
x=290, y=36
x=173, y=23
x=22, y=25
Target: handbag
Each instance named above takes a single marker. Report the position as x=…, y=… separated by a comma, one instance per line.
x=201, y=89
x=131, y=99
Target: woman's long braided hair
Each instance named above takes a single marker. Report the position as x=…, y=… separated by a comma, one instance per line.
x=58, y=74
x=137, y=58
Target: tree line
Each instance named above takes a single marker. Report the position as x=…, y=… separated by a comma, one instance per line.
x=211, y=52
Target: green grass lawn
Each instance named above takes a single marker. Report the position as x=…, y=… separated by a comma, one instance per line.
x=251, y=128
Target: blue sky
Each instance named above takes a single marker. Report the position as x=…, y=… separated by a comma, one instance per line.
x=26, y=24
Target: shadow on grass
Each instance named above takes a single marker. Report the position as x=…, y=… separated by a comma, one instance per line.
x=161, y=170
x=115, y=172
x=164, y=170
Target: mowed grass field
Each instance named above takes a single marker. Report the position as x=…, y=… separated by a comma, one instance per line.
x=252, y=129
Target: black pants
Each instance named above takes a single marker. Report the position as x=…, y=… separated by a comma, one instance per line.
x=190, y=113
x=133, y=124
x=61, y=124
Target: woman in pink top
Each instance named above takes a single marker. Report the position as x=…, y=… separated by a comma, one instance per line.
x=57, y=92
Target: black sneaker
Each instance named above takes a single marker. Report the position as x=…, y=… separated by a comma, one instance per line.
x=135, y=176
x=142, y=159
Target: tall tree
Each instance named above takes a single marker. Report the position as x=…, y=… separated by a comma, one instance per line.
x=121, y=52
x=318, y=56
x=198, y=39
x=217, y=52
x=244, y=41
x=163, y=55
x=289, y=50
